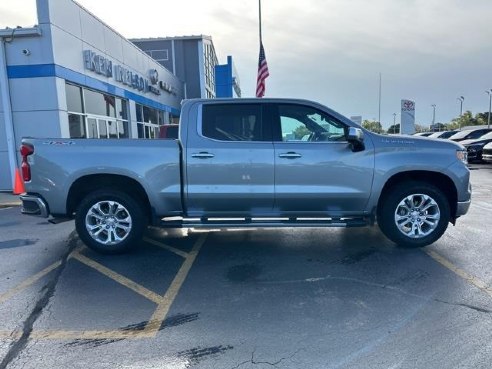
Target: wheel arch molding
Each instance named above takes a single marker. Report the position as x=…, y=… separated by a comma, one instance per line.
x=437, y=179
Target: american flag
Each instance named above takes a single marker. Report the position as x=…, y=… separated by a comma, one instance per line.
x=262, y=73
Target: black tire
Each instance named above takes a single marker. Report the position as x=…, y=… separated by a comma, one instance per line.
x=420, y=233
x=118, y=224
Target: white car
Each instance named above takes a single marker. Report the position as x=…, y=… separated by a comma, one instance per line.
x=442, y=134
x=487, y=153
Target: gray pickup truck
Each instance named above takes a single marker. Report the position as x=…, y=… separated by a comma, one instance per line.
x=249, y=163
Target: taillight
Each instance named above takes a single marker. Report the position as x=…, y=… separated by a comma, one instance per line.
x=25, y=151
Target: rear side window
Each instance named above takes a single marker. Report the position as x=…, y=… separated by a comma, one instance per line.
x=232, y=122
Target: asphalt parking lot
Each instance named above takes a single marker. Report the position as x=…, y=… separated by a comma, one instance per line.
x=285, y=298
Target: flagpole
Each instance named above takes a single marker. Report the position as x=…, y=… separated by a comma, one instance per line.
x=379, y=114
x=259, y=12
x=262, y=63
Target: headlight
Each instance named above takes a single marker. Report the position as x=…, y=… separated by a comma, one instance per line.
x=462, y=156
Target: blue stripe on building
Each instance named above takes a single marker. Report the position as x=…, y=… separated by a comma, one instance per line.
x=54, y=70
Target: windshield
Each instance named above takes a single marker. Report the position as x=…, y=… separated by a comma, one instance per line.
x=486, y=136
x=447, y=134
x=461, y=134
x=435, y=135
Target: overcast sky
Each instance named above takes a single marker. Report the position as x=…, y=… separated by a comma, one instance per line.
x=330, y=51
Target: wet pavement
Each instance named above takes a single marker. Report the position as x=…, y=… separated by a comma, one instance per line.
x=284, y=298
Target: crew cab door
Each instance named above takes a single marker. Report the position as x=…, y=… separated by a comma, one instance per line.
x=229, y=162
x=316, y=170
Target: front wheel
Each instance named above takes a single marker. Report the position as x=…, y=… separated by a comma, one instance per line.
x=414, y=214
x=110, y=222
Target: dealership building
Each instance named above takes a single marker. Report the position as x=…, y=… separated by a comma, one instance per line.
x=193, y=60
x=72, y=76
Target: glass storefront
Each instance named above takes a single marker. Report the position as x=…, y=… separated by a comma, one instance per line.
x=93, y=114
x=149, y=120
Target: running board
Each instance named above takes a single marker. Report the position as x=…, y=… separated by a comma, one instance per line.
x=178, y=222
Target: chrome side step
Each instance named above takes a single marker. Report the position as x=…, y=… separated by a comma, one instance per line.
x=177, y=222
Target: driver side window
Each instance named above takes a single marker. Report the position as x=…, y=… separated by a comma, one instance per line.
x=303, y=123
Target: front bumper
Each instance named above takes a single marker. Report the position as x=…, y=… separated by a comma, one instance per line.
x=474, y=154
x=462, y=208
x=34, y=205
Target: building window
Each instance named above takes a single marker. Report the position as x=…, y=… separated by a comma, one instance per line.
x=93, y=114
x=99, y=104
x=173, y=119
x=210, y=61
x=121, y=109
x=150, y=115
x=76, y=125
x=158, y=55
x=148, y=121
x=74, y=98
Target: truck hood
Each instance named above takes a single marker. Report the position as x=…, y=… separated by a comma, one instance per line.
x=397, y=141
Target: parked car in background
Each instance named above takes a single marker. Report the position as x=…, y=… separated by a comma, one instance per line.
x=442, y=134
x=169, y=131
x=469, y=134
x=487, y=153
x=475, y=147
x=422, y=134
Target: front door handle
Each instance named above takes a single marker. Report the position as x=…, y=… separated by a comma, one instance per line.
x=290, y=155
x=202, y=155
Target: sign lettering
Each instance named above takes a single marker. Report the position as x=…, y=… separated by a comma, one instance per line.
x=103, y=66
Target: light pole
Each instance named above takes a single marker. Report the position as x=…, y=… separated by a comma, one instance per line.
x=461, y=99
x=394, y=121
x=433, y=115
x=490, y=104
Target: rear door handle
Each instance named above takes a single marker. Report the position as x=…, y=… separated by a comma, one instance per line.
x=202, y=155
x=290, y=155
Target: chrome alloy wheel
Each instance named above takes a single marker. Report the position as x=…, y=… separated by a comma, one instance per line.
x=108, y=222
x=417, y=215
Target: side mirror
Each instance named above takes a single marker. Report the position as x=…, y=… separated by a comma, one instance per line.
x=356, y=138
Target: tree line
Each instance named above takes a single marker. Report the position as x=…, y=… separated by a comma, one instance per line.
x=467, y=119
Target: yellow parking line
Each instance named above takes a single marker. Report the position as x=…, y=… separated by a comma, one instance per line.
x=128, y=283
x=166, y=247
x=155, y=322
x=14, y=335
x=460, y=272
x=153, y=325
x=77, y=335
x=31, y=280
x=89, y=335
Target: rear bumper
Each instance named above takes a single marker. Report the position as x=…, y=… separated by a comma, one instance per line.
x=34, y=205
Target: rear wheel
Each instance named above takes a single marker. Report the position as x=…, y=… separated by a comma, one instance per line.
x=110, y=221
x=414, y=214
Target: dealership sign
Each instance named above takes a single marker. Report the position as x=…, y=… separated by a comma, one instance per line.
x=407, y=117
x=103, y=66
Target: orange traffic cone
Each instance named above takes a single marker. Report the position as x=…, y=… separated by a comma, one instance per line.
x=19, y=183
